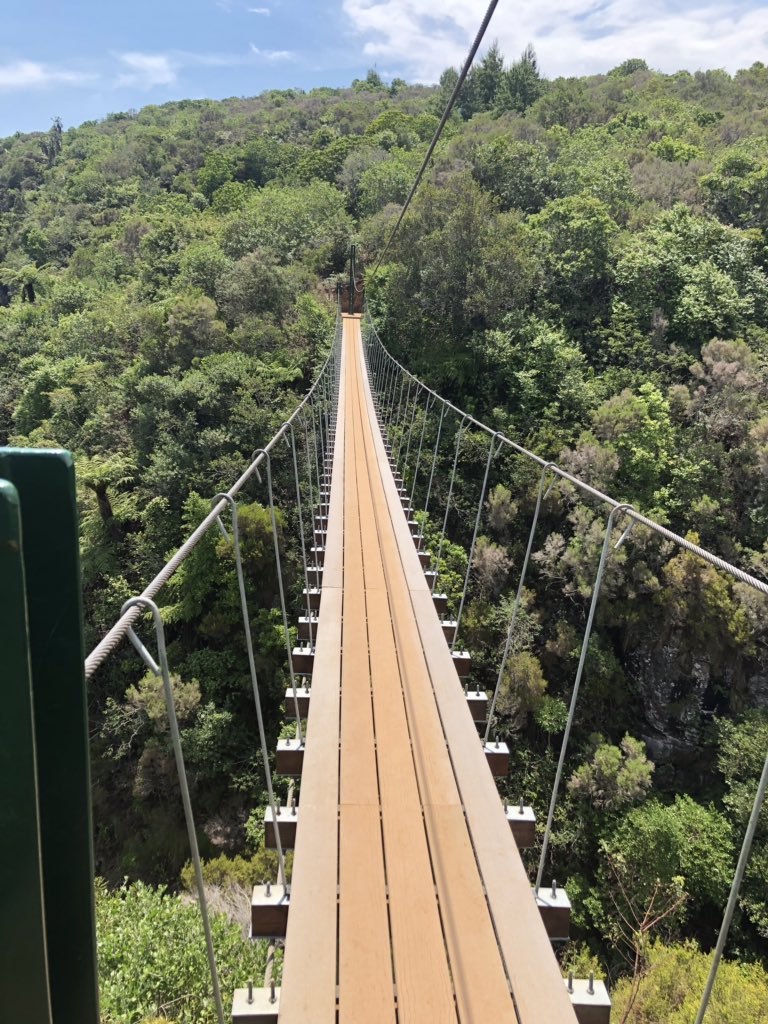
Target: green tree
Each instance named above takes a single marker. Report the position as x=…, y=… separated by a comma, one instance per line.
x=306, y=222
x=737, y=190
x=517, y=172
x=523, y=688
x=521, y=85
x=219, y=167
x=741, y=755
x=659, y=844
x=483, y=83
x=574, y=237
x=639, y=429
x=615, y=778
x=628, y=67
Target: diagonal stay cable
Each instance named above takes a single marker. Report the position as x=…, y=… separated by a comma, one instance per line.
x=439, y=130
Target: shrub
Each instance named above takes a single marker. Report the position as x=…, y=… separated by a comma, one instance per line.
x=236, y=871
x=670, y=990
x=152, y=958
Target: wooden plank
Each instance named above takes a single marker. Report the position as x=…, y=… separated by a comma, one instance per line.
x=423, y=979
x=479, y=978
x=365, y=975
x=530, y=963
x=421, y=971
x=358, y=783
x=476, y=967
x=366, y=988
x=310, y=968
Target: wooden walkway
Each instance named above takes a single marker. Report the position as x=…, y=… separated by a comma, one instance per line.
x=409, y=900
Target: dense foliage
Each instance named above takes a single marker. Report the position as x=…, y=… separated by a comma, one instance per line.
x=669, y=992
x=586, y=270
x=152, y=958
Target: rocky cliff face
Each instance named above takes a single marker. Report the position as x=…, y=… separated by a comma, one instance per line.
x=678, y=695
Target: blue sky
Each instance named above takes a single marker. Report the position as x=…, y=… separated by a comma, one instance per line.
x=80, y=59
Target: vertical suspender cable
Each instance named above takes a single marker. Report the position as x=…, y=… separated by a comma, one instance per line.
x=518, y=599
x=160, y=668
x=281, y=588
x=235, y=540
x=577, y=681
x=459, y=434
x=492, y=453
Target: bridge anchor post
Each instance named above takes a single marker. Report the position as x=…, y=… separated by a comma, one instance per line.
x=256, y=1005
x=590, y=999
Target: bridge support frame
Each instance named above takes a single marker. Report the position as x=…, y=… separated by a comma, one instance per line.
x=48, y=970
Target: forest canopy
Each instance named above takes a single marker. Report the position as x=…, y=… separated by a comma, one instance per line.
x=585, y=268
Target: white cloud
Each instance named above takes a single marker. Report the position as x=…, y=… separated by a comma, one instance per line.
x=272, y=55
x=28, y=74
x=571, y=37
x=145, y=70
x=258, y=10
x=210, y=60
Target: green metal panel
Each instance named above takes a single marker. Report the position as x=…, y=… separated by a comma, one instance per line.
x=45, y=481
x=23, y=965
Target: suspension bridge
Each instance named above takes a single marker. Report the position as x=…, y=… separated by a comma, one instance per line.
x=408, y=899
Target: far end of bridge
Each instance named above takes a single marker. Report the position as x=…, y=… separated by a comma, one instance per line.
x=409, y=900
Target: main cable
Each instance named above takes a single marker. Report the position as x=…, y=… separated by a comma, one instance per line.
x=439, y=131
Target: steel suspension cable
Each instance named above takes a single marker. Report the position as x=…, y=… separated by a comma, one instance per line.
x=596, y=588
x=434, y=460
x=109, y=643
x=281, y=589
x=493, y=451
x=160, y=668
x=439, y=130
x=235, y=541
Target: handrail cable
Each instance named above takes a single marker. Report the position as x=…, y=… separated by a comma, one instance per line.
x=439, y=130
x=683, y=542
x=616, y=507
x=120, y=629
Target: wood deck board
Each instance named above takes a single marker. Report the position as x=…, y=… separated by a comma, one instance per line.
x=366, y=992
x=398, y=808
x=477, y=971
x=421, y=971
x=531, y=965
x=366, y=989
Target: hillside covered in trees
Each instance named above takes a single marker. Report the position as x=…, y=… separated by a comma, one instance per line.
x=585, y=268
